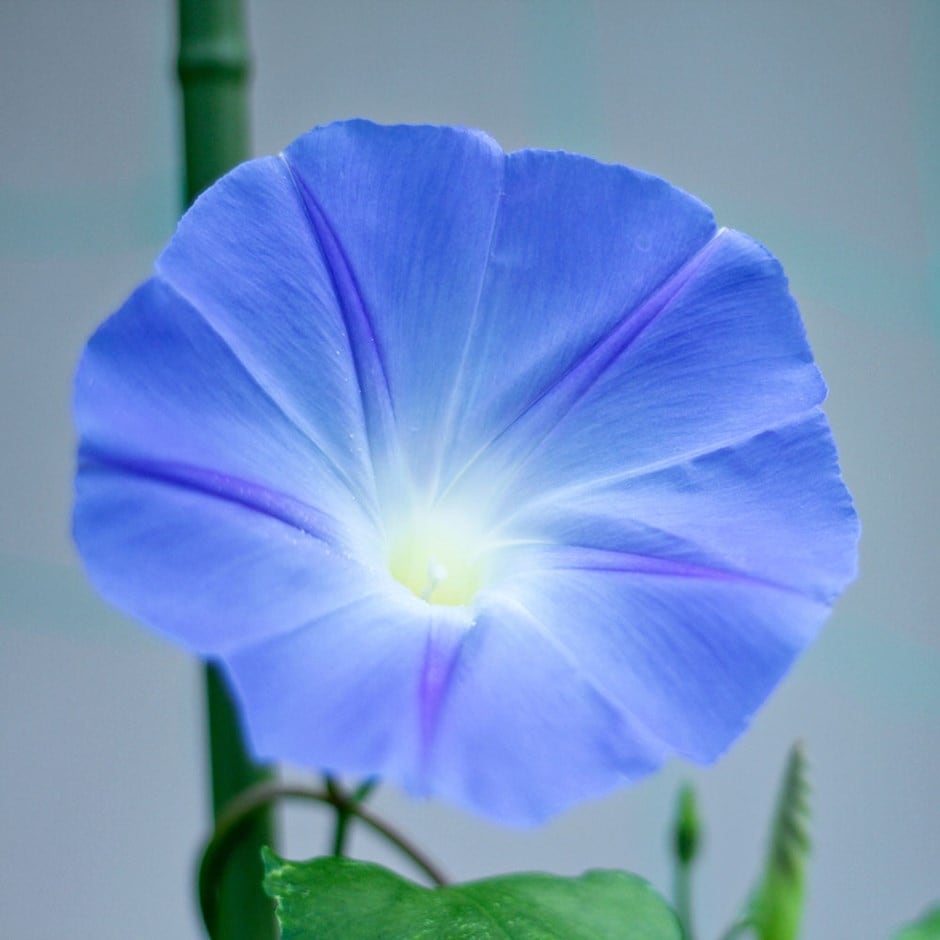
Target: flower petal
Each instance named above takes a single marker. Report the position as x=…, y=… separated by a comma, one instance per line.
x=157, y=384
x=357, y=690
x=487, y=277
x=679, y=597
x=685, y=651
x=686, y=593
x=715, y=355
x=245, y=257
x=208, y=561
x=404, y=217
x=773, y=508
x=579, y=247
x=525, y=731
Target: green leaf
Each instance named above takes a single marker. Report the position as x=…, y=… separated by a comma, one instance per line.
x=927, y=928
x=776, y=907
x=341, y=899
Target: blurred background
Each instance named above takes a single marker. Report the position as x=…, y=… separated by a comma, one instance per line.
x=813, y=126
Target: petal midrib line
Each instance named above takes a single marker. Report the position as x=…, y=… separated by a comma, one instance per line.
x=365, y=351
x=614, y=561
x=365, y=498
x=554, y=402
x=251, y=496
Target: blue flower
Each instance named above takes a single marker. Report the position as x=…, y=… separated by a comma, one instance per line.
x=500, y=476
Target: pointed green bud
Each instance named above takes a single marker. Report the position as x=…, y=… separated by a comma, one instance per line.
x=776, y=907
x=687, y=832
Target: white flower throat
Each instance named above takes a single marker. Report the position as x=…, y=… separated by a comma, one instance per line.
x=440, y=557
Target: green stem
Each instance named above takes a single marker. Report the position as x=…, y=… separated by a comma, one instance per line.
x=682, y=897
x=341, y=828
x=344, y=812
x=243, y=809
x=213, y=72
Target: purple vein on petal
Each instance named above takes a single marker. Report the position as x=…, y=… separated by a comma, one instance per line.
x=371, y=373
x=601, y=560
x=441, y=652
x=252, y=496
x=365, y=498
x=548, y=408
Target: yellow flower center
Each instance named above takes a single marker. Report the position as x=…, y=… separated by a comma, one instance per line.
x=438, y=557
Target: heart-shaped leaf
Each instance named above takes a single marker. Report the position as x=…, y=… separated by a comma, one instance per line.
x=342, y=899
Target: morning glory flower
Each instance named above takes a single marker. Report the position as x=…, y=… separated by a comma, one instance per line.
x=500, y=476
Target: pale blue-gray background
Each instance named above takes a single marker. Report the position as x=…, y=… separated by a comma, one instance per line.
x=814, y=126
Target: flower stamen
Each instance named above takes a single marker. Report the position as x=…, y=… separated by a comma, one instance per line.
x=436, y=574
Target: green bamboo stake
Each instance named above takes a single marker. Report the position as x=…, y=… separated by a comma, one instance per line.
x=213, y=72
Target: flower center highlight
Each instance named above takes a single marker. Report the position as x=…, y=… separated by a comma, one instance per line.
x=439, y=559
